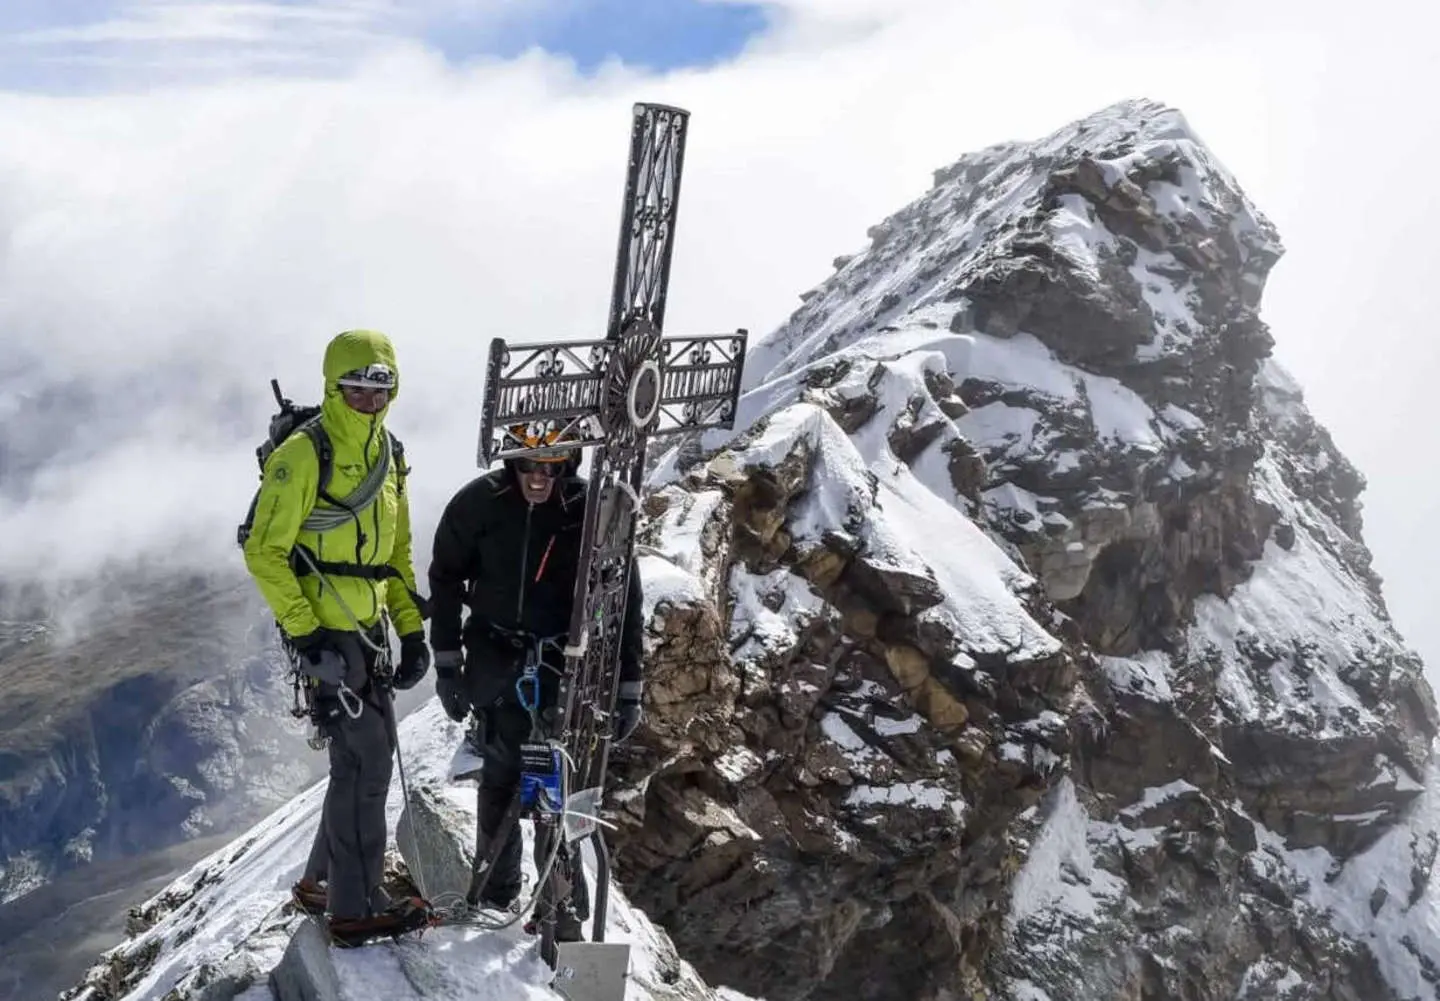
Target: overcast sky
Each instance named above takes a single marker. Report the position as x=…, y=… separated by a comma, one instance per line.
x=194, y=197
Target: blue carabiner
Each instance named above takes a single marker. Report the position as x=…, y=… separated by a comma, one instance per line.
x=532, y=701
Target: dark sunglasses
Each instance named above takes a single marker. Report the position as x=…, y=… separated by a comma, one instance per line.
x=550, y=468
x=352, y=390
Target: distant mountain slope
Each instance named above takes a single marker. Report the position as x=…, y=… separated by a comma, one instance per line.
x=152, y=712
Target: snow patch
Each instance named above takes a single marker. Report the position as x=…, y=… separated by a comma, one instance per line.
x=886, y=727
x=770, y=611
x=1060, y=875
x=840, y=733
x=738, y=763
x=674, y=570
x=1146, y=674
x=1287, y=634
x=1404, y=932
x=903, y=524
x=1121, y=417
x=1153, y=796
x=910, y=795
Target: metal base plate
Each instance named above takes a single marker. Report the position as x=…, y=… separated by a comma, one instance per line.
x=592, y=971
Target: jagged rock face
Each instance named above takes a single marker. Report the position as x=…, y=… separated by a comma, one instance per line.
x=840, y=722
x=1192, y=791
x=164, y=719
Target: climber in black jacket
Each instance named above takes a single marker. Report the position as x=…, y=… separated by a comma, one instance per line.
x=507, y=549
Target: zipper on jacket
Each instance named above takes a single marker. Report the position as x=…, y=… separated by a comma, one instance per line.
x=376, y=586
x=375, y=598
x=359, y=525
x=524, y=567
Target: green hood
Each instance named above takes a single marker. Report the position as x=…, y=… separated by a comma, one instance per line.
x=346, y=352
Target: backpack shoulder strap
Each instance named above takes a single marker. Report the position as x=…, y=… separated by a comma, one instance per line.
x=324, y=456
x=397, y=454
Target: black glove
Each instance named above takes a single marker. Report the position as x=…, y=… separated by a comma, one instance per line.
x=414, y=661
x=319, y=659
x=450, y=684
x=627, y=709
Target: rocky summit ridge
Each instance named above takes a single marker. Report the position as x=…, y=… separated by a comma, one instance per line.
x=1021, y=642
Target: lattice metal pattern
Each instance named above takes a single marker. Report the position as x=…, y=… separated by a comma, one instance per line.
x=647, y=227
x=559, y=386
x=700, y=382
x=553, y=386
x=591, y=713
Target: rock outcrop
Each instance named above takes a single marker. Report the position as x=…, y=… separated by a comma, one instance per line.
x=1057, y=350
x=830, y=765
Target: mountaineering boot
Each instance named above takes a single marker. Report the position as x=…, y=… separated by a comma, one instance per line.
x=568, y=926
x=310, y=897
x=500, y=898
x=405, y=915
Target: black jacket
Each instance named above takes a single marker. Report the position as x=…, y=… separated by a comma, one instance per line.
x=513, y=565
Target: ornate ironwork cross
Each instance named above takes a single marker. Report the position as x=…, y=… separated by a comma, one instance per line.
x=612, y=395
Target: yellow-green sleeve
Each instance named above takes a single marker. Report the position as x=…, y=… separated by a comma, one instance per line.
x=287, y=495
x=403, y=611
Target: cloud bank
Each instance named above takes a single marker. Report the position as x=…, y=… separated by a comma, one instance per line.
x=167, y=250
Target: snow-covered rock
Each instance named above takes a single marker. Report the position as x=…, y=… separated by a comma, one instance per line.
x=851, y=681
x=1057, y=349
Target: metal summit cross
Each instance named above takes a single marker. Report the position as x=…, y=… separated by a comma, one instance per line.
x=613, y=394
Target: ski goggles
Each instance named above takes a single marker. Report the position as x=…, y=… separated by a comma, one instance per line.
x=372, y=376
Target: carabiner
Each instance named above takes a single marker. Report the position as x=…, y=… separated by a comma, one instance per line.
x=531, y=701
x=346, y=695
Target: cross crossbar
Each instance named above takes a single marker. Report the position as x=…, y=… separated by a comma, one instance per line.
x=561, y=386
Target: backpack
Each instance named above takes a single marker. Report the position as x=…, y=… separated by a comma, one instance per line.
x=290, y=420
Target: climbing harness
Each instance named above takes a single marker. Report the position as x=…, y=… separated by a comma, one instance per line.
x=382, y=682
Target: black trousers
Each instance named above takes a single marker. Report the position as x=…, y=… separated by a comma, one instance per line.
x=503, y=728
x=349, y=847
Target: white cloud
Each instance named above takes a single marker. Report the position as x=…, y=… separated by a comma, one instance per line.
x=188, y=22
x=233, y=227
x=146, y=41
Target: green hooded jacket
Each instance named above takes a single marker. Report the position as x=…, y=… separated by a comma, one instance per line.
x=380, y=535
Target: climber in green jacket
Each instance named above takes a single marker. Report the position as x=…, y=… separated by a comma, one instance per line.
x=329, y=558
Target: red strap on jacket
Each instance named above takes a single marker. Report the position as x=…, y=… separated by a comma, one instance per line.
x=544, y=558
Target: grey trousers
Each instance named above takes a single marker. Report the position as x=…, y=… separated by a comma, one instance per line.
x=349, y=847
